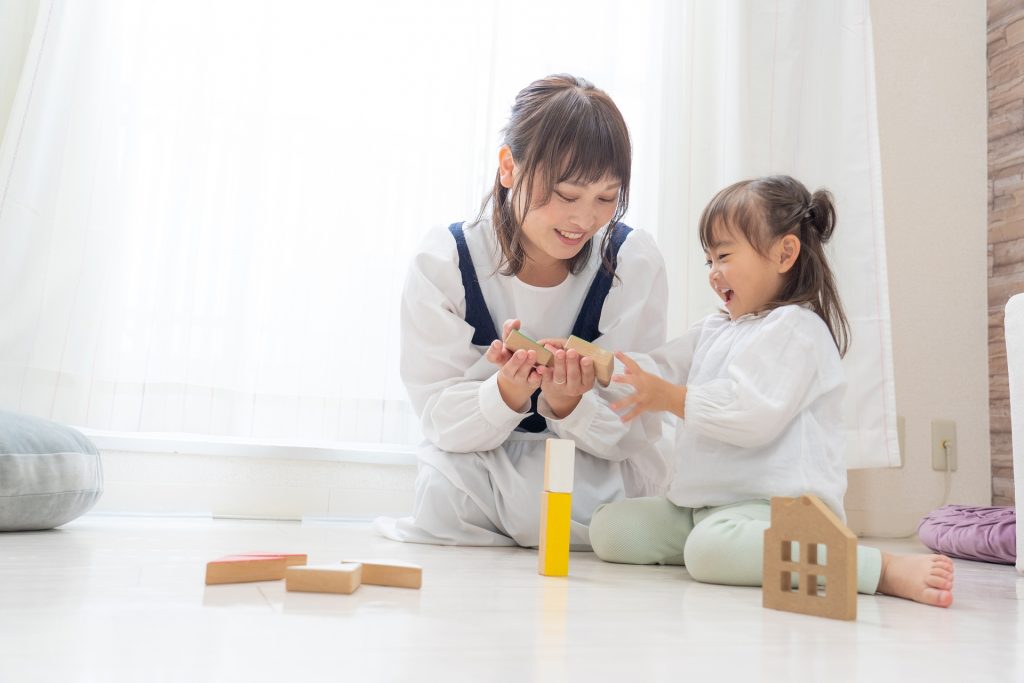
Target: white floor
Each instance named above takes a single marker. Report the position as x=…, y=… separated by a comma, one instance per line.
x=122, y=599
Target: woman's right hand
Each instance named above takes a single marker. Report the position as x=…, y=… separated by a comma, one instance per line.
x=518, y=379
x=517, y=376
x=496, y=352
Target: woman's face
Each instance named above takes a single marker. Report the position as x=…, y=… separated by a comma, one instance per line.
x=558, y=229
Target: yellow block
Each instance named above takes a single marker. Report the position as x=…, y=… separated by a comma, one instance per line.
x=555, y=516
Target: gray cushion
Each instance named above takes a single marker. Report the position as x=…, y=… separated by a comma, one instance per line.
x=49, y=474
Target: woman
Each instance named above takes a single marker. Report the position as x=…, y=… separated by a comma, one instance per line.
x=552, y=254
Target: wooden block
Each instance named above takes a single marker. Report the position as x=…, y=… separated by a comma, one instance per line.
x=559, y=461
x=516, y=340
x=290, y=559
x=388, y=573
x=793, y=583
x=324, y=578
x=555, y=519
x=604, y=361
x=244, y=568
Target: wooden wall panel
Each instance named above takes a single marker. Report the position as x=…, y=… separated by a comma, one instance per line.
x=1005, y=217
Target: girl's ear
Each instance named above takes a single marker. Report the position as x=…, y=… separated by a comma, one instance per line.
x=787, y=252
x=506, y=166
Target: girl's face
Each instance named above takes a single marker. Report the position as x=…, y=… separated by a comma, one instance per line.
x=744, y=280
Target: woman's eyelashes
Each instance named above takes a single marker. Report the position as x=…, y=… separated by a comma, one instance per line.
x=571, y=200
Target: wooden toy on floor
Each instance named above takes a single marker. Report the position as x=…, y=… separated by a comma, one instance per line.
x=290, y=559
x=387, y=573
x=334, y=578
x=556, y=507
x=516, y=341
x=604, y=361
x=792, y=583
x=245, y=568
x=324, y=578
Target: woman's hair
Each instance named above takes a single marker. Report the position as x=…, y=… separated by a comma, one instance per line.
x=561, y=128
x=766, y=209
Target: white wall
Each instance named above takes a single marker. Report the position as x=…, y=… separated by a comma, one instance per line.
x=932, y=107
x=252, y=486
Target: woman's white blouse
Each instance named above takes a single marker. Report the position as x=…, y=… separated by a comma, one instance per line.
x=452, y=386
x=763, y=413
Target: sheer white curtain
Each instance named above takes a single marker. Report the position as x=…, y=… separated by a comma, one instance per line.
x=756, y=88
x=207, y=208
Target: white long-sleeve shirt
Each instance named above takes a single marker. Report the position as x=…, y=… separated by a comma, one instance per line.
x=763, y=412
x=453, y=388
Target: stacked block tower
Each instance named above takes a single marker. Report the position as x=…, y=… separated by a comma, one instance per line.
x=556, y=507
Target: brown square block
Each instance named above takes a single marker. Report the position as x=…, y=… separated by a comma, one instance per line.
x=389, y=573
x=327, y=578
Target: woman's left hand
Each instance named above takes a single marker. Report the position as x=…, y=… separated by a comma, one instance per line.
x=570, y=376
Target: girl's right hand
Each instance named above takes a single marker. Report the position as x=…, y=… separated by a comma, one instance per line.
x=651, y=393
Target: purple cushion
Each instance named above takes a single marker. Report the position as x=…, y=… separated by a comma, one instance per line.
x=971, y=533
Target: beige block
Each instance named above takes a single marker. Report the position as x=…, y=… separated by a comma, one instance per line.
x=327, y=578
x=389, y=573
x=604, y=361
x=245, y=568
x=516, y=341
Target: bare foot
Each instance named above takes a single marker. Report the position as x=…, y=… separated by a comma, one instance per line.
x=922, y=578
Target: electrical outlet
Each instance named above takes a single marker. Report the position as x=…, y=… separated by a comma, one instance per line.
x=943, y=445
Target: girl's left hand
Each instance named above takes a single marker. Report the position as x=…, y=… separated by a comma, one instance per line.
x=652, y=392
x=563, y=384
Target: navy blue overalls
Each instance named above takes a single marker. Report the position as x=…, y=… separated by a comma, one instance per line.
x=586, y=323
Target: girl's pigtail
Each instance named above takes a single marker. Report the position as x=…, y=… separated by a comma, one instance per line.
x=822, y=214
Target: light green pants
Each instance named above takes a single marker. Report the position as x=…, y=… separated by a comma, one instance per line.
x=722, y=545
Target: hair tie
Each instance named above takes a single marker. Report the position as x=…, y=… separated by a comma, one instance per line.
x=808, y=212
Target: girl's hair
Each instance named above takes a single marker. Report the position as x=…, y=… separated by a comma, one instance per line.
x=561, y=128
x=764, y=210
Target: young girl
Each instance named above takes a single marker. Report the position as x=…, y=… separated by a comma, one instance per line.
x=553, y=255
x=758, y=391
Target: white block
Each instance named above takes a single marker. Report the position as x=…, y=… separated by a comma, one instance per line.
x=559, y=458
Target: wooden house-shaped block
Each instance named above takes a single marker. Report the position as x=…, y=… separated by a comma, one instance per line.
x=798, y=576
